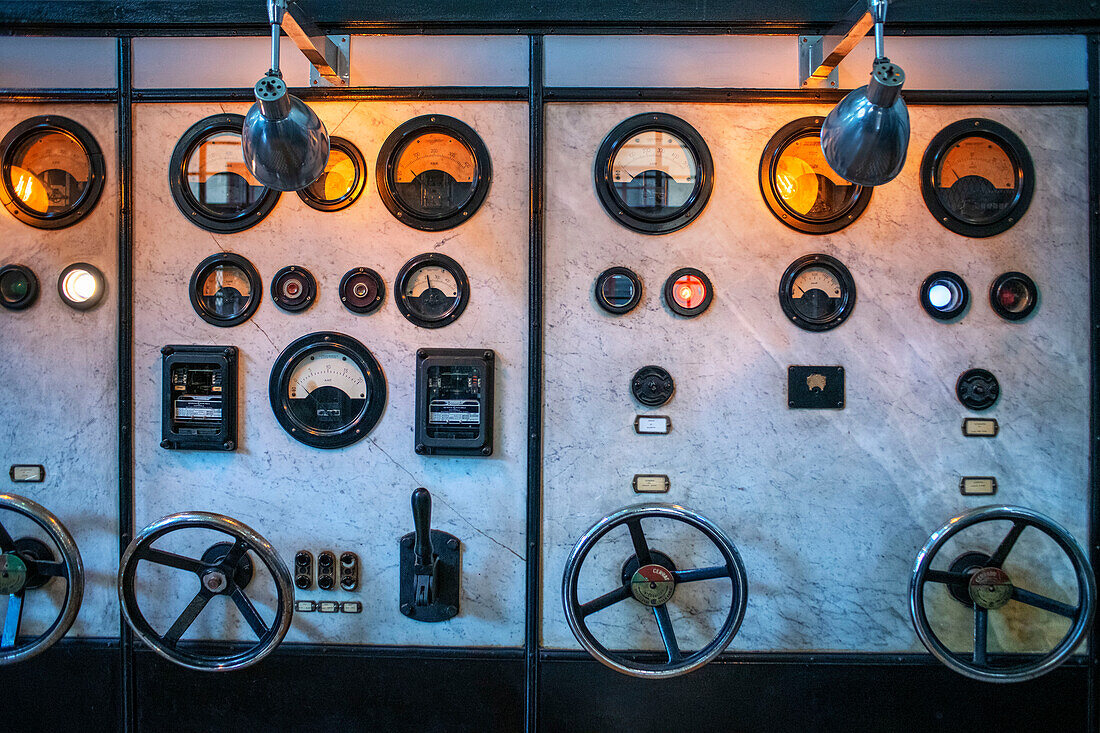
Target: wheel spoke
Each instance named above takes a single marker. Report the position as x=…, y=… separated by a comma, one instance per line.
x=668, y=636
x=51, y=569
x=194, y=608
x=7, y=544
x=641, y=549
x=981, y=635
x=1047, y=604
x=607, y=599
x=1005, y=547
x=688, y=576
x=172, y=560
x=11, y=621
x=233, y=558
x=249, y=613
x=943, y=576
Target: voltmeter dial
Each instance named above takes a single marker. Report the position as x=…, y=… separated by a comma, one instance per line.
x=432, y=290
x=817, y=292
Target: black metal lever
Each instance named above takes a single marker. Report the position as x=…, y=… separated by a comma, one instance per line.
x=429, y=566
x=424, y=559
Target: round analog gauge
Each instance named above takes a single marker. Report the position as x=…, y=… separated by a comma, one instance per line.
x=618, y=290
x=433, y=172
x=688, y=292
x=18, y=287
x=944, y=295
x=341, y=182
x=977, y=177
x=654, y=173
x=327, y=390
x=362, y=290
x=52, y=171
x=817, y=292
x=293, y=288
x=800, y=188
x=1013, y=296
x=432, y=290
x=225, y=289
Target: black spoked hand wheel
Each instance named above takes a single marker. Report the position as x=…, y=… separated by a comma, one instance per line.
x=650, y=578
x=27, y=564
x=978, y=579
x=225, y=569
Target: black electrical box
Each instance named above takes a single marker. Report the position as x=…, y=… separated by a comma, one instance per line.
x=454, y=402
x=199, y=398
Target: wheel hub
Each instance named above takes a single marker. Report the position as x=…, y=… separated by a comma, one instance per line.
x=652, y=585
x=990, y=588
x=215, y=581
x=13, y=574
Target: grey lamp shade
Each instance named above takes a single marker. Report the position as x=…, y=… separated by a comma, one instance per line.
x=866, y=136
x=285, y=144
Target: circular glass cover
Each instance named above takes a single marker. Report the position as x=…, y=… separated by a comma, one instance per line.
x=18, y=287
x=225, y=289
x=326, y=392
x=618, y=290
x=688, y=292
x=654, y=173
x=944, y=295
x=81, y=286
x=817, y=292
x=435, y=174
x=219, y=179
x=432, y=290
x=1013, y=296
x=342, y=180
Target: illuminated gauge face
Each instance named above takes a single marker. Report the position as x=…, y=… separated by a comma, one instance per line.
x=688, y=292
x=1013, y=296
x=53, y=172
x=434, y=172
x=944, y=295
x=225, y=289
x=654, y=173
x=81, y=286
x=432, y=290
x=341, y=182
x=800, y=188
x=18, y=287
x=327, y=390
x=817, y=292
x=618, y=290
x=293, y=288
x=977, y=177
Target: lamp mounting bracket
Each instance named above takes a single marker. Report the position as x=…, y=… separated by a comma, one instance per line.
x=816, y=68
x=329, y=55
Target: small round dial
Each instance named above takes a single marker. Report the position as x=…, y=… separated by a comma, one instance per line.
x=362, y=290
x=225, y=289
x=817, y=292
x=432, y=290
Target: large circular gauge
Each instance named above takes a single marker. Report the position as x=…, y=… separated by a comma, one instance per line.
x=327, y=390
x=18, y=287
x=431, y=290
x=817, y=292
x=342, y=180
x=799, y=186
x=225, y=289
x=433, y=172
x=654, y=173
x=977, y=177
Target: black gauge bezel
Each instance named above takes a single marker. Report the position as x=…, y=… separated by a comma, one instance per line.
x=188, y=205
x=960, y=287
x=678, y=309
x=630, y=275
x=359, y=163
x=32, y=288
x=438, y=260
x=984, y=404
x=379, y=294
x=1013, y=147
x=309, y=287
x=92, y=302
x=773, y=151
x=1032, y=291
x=688, y=135
x=410, y=130
x=848, y=286
x=97, y=171
x=292, y=355
x=204, y=268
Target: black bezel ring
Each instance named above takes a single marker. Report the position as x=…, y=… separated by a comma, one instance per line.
x=678, y=309
x=358, y=184
x=222, y=258
x=961, y=291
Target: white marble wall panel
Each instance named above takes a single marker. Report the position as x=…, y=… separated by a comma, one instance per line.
x=59, y=384
x=828, y=508
x=355, y=498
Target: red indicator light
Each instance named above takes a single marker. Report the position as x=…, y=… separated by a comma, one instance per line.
x=689, y=291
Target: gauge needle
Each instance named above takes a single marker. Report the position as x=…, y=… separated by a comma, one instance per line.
x=803, y=292
x=429, y=279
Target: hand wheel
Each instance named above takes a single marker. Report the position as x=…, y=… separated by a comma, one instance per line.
x=27, y=564
x=978, y=580
x=650, y=578
x=225, y=569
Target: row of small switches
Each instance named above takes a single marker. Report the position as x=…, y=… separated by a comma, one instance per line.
x=326, y=570
x=307, y=606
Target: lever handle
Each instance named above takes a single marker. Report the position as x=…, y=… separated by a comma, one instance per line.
x=422, y=524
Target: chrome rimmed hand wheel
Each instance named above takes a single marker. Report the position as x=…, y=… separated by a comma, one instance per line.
x=649, y=577
x=27, y=564
x=978, y=579
x=225, y=569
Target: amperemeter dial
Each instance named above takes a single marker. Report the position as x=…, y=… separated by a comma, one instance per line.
x=432, y=290
x=327, y=390
x=817, y=292
x=225, y=289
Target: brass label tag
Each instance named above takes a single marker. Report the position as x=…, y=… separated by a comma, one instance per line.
x=981, y=485
x=651, y=484
x=979, y=427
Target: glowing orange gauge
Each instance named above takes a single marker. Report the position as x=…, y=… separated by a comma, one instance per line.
x=688, y=292
x=977, y=156
x=435, y=151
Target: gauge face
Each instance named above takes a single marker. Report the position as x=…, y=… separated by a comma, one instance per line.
x=654, y=173
x=432, y=290
x=225, y=289
x=688, y=292
x=1013, y=296
x=341, y=182
x=618, y=290
x=327, y=390
x=800, y=188
x=977, y=177
x=817, y=292
x=944, y=295
x=18, y=287
x=433, y=172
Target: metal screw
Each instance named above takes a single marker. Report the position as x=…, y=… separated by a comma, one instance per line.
x=453, y=544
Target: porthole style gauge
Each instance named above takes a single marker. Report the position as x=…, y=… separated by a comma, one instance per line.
x=362, y=290
x=433, y=172
x=52, y=172
x=817, y=292
x=1013, y=296
x=81, y=286
x=618, y=290
x=977, y=177
x=944, y=295
x=210, y=182
x=341, y=182
x=654, y=173
x=800, y=188
x=431, y=290
x=293, y=288
x=327, y=390
x=688, y=292
x=18, y=287
x=225, y=289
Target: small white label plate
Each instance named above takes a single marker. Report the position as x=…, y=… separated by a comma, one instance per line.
x=652, y=425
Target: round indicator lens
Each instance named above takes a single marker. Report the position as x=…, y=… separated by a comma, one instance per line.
x=362, y=290
x=293, y=288
x=618, y=290
x=1013, y=296
x=944, y=295
x=18, y=287
x=81, y=286
x=817, y=292
x=688, y=292
x=225, y=289
x=341, y=182
x=432, y=290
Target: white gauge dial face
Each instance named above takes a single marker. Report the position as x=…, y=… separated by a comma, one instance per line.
x=816, y=278
x=654, y=150
x=432, y=277
x=327, y=369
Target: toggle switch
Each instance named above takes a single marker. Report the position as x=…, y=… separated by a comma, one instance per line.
x=430, y=576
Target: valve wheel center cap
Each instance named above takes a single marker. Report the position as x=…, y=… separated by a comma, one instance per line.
x=652, y=585
x=215, y=581
x=13, y=574
x=990, y=588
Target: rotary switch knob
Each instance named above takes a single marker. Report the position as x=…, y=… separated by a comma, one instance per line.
x=977, y=389
x=652, y=386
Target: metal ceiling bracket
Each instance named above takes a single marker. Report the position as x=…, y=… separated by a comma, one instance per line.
x=329, y=55
x=816, y=68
